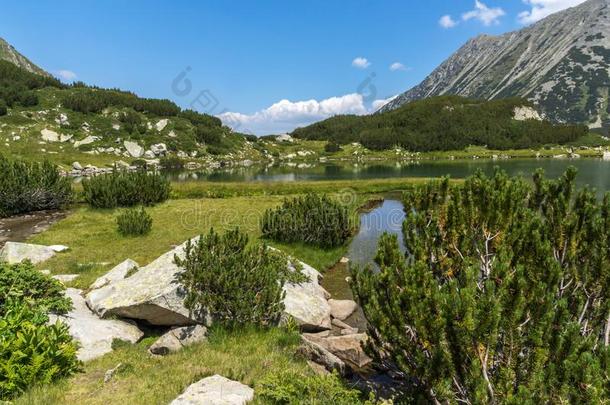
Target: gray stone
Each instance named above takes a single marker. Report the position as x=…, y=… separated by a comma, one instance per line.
x=307, y=302
x=215, y=390
x=153, y=294
x=65, y=278
x=49, y=136
x=347, y=347
x=342, y=309
x=160, y=126
x=77, y=166
x=133, y=149
x=117, y=273
x=16, y=252
x=318, y=354
x=177, y=338
x=88, y=140
x=94, y=335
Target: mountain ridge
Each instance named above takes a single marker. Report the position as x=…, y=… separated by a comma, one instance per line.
x=560, y=63
x=10, y=54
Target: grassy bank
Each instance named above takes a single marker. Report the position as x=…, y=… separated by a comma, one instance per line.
x=96, y=246
x=344, y=190
x=247, y=356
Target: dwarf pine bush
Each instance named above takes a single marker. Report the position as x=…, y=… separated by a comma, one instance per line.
x=312, y=219
x=134, y=222
x=32, y=351
x=503, y=297
x=125, y=189
x=233, y=283
x=27, y=187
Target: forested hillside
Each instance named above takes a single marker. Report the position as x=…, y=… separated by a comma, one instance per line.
x=39, y=114
x=445, y=123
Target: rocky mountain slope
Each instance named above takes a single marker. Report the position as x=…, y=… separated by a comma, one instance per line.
x=561, y=63
x=10, y=54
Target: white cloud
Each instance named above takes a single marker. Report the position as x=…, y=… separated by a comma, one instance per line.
x=397, y=66
x=488, y=16
x=67, y=75
x=286, y=115
x=361, y=63
x=377, y=104
x=447, y=22
x=543, y=8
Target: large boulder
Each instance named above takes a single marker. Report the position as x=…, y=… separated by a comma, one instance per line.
x=160, y=126
x=119, y=272
x=133, y=149
x=94, y=335
x=342, y=309
x=307, y=302
x=49, y=136
x=177, y=338
x=16, y=252
x=215, y=390
x=152, y=294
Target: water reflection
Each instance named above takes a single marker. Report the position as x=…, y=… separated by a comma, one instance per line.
x=592, y=172
x=388, y=217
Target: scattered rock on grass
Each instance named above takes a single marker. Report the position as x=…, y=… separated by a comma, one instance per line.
x=215, y=390
x=16, y=252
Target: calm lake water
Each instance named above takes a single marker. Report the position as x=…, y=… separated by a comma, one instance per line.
x=592, y=172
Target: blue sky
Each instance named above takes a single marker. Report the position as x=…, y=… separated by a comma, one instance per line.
x=263, y=66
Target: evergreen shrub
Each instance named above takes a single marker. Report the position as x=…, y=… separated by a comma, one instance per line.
x=134, y=222
x=503, y=296
x=125, y=189
x=313, y=219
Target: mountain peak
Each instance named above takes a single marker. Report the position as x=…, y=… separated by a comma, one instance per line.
x=10, y=54
x=560, y=63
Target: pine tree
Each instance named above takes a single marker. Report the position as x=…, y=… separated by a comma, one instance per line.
x=503, y=295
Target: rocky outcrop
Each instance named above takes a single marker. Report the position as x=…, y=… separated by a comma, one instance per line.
x=94, y=335
x=525, y=113
x=319, y=355
x=215, y=390
x=16, y=252
x=346, y=347
x=307, y=302
x=177, y=338
x=153, y=294
x=119, y=272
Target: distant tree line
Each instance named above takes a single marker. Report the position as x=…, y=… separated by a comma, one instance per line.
x=94, y=100
x=17, y=86
x=443, y=123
